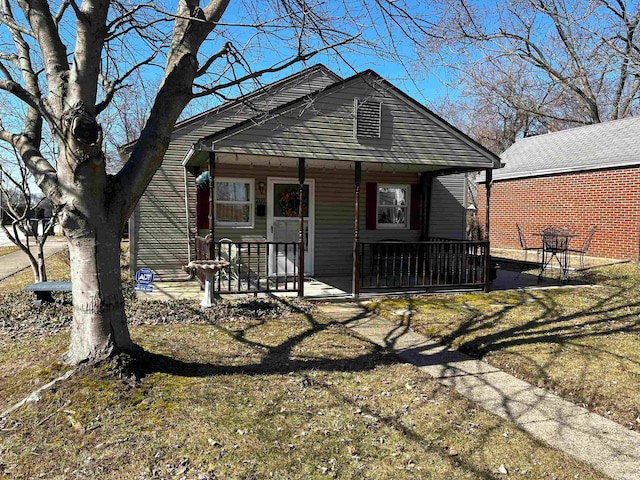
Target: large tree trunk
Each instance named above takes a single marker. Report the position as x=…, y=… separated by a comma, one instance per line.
x=99, y=329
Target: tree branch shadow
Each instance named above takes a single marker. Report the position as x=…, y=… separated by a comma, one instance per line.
x=277, y=360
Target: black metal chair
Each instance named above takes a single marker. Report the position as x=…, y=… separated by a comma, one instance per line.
x=525, y=247
x=585, y=246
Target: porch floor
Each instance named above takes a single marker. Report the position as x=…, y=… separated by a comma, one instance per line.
x=314, y=289
x=339, y=288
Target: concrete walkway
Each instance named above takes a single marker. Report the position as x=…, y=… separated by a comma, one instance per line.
x=603, y=444
x=15, y=262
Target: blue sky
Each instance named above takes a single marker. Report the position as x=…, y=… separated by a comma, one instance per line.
x=402, y=70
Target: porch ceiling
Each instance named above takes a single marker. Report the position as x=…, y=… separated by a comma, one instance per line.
x=200, y=159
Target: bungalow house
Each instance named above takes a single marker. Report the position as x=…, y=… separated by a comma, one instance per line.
x=579, y=178
x=364, y=177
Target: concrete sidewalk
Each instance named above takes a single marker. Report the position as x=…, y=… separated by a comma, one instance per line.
x=17, y=261
x=603, y=444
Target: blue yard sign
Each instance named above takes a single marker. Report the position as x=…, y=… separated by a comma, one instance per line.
x=144, y=277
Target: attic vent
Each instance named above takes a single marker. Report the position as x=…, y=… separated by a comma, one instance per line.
x=367, y=118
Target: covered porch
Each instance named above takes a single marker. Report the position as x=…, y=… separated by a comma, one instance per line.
x=392, y=260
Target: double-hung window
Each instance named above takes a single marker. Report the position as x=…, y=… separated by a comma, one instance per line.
x=234, y=200
x=393, y=206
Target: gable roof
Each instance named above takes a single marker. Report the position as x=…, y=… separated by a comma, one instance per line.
x=257, y=102
x=321, y=123
x=600, y=146
x=264, y=98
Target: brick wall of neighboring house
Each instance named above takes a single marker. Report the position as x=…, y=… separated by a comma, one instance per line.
x=609, y=199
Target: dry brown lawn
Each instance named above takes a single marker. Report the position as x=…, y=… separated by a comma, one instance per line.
x=579, y=342
x=8, y=249
x=290, y=397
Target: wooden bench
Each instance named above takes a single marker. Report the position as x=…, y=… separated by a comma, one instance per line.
x=43, y=290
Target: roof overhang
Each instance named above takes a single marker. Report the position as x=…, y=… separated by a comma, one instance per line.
x=562, y=170
x=199, y=159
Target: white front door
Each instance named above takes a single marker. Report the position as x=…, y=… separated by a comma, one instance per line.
x=283, y=224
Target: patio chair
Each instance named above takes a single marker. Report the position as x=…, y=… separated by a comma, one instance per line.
x=525, y=247
x=585, y=246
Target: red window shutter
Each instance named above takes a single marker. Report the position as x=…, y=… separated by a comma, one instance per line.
x=202, y=206
x=372, y=206
x=414, y=220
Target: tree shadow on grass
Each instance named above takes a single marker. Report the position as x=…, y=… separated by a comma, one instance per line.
x=549, y=332
x=610, y=315
x=278, y=360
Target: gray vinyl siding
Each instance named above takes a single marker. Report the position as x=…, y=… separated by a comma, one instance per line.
x=323, y=129
x=159, y=227
x=334, y=213
x=448, y=213
x=334, y=218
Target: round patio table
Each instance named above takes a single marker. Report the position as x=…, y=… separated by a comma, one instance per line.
x=209, y=268
x=555, y=244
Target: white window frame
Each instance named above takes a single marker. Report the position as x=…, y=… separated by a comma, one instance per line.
x=251, y=202
x=396, y=226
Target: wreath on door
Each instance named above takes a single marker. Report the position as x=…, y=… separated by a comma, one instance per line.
x=289, y=202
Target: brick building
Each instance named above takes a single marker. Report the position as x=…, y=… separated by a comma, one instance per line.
x=575, y=178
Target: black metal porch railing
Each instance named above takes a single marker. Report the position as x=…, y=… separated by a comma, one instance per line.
x=440, y=263
x=254, y=267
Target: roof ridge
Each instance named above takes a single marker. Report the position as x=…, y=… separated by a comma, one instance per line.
x=581, y=127
x=388, y=86
x=605, y=145
x=259, y=91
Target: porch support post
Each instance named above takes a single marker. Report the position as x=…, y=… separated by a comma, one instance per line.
x=212, y=199
x=301, y=176
x=355, y=277
x=186, y=209
x=426, y=187
x=487, y=256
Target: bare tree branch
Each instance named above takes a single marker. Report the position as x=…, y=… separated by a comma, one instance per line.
x=583, y=56
x=51, y=47
x=112, y=86
x=18, y=91
x=302, y=57
x=63, y=7
x=173, y=96
x=226, y=48
x=8, y=19
x=90, y=36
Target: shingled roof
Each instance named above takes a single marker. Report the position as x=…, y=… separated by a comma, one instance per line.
x=593, y=147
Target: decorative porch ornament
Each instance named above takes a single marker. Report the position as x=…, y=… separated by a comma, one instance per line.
x=289, y=203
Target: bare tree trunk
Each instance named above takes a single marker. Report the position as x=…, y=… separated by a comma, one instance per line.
x=99, y=329
x=42, y=269
x=38, y=267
